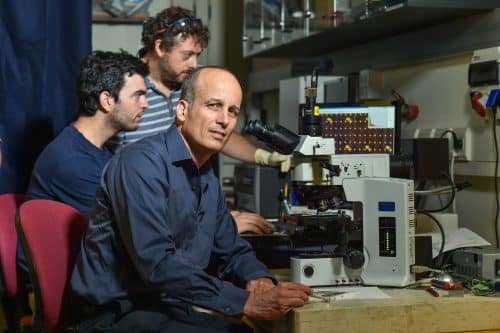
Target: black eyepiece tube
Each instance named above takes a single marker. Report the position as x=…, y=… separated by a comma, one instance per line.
x=277, y=138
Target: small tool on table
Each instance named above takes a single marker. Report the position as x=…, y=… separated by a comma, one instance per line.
x=326, y=296
x=432, y=291
x=320, y=296
x=444, y=284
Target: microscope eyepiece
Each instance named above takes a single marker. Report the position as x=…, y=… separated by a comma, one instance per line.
x=277, y=138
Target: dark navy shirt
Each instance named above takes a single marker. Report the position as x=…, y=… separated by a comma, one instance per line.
x=69, y=170
x=156, y=224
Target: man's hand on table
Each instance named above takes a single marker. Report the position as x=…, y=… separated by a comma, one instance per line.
x=261, y=284
x=268, y=302
x=251, y=222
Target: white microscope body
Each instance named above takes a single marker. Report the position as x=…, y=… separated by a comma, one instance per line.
x=385, y=205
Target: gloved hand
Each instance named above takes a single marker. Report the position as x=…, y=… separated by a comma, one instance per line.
x=264, y=157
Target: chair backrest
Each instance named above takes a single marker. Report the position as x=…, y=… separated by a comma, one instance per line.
x=50, y=234
x=8, y=241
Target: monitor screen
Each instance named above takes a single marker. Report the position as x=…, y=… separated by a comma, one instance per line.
x=359, y=129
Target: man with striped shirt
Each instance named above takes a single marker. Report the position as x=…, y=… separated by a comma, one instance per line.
x=158, y=117
x=172, y=41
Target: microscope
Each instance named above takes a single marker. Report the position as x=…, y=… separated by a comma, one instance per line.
x=345, y=199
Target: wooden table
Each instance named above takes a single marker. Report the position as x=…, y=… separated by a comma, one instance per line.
x=406, y=311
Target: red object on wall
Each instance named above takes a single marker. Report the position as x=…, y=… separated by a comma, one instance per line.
x=475, y=98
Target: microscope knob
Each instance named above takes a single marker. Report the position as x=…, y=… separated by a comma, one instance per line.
x=354, y=259
x=308, y=271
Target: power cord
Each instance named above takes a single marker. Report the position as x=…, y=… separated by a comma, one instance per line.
x=479, y=287
x=457, y=143
x=495, y=180
x=452, y=178
x=439, y=258
x=418, y=269
x=448, y=204
x=443, y=189
x=493, y=103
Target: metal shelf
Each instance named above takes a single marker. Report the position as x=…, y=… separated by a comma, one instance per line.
x=413, y=15
x=108, y=19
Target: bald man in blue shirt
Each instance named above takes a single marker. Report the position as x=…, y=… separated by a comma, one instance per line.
x=161, y=244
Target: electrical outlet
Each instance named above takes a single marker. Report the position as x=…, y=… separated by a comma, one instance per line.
x=462, y=152
x=464, y=147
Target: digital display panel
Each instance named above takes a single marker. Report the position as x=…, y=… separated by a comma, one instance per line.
x=359, y=129
x=387, y=236
x=484, y=73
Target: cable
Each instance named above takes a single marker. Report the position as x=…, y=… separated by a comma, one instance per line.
x=443, y=189
x=441, y=249
x=452, y=198
x=497, y=203
x=452, y=178
x=457, y=144
x=435, y=191
x=417, y=269
x=479, y=287
x=419, y=187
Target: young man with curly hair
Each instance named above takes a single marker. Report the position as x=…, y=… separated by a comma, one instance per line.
x=172, y=42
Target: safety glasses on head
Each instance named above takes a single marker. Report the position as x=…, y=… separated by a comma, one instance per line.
x=182, y=22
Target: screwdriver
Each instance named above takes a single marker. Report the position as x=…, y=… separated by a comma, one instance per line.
x=444, y=285
x=432, y=291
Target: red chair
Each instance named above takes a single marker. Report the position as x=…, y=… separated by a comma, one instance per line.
x=10, y=285
x=50, y=234
x=8, y=241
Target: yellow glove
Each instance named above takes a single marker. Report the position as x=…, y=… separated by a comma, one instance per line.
x=264, y=157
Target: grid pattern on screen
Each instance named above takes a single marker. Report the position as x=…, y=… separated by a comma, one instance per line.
x=359, y=130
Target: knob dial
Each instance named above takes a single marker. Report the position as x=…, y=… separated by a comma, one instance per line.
x=308, y=271
x=354, y=259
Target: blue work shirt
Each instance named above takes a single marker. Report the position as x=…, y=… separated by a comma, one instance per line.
x=156, y=224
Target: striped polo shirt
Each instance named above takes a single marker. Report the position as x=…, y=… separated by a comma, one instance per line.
x=158, y=117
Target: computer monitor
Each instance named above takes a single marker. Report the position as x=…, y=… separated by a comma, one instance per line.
x=361, y=129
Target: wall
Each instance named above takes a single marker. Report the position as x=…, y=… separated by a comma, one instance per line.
x=112, y=37
x=440, y=89
x=439, y=85
x=429, y=67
